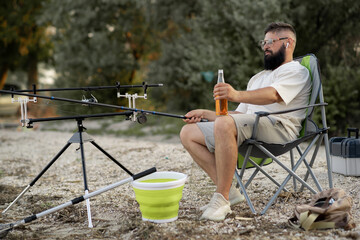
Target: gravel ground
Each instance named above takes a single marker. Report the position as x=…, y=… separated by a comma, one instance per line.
x=116, y=215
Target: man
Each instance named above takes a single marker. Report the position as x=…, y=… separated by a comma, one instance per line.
x=213, y=145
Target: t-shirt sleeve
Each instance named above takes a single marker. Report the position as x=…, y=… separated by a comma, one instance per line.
x=241, y=108
x=290, y=81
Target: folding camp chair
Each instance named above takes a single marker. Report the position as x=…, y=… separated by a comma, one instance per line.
x=257, y=154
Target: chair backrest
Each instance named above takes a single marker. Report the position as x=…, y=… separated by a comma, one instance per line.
x=311, y=63
x=309, y=126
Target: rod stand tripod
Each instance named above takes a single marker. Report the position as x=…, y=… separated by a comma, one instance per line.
x=79, y=137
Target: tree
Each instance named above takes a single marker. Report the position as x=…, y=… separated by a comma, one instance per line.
x=176, y=42
x=23, y=42
x=211, y=35
x=230, y=31
x=100, y=42
x=331, y=30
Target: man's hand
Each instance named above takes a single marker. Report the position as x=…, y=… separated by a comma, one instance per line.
x=195, y=116
x=225, y=91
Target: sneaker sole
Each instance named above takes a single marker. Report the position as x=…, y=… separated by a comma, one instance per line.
x=216, y=219
x=232, y=203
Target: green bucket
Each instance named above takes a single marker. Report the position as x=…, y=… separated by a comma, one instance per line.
x=158, y=195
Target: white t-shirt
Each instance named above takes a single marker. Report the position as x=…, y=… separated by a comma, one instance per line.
x=292, y=82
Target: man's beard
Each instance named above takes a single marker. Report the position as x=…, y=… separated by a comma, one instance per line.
x=271, y=62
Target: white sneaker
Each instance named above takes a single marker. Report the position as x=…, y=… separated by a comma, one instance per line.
x=235, y=197
x=218, y=208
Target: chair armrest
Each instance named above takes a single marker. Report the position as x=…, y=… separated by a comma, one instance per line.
x=263, y=113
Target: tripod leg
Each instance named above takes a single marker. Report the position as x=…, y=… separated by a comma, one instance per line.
x=85, y=180
x=111, y=157
x=6, y=228
x=88, y=209
x=38, y=176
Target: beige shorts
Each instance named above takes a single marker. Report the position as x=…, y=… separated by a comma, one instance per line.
x=269, y=130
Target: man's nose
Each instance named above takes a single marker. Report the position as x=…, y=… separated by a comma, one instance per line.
x=266, y=47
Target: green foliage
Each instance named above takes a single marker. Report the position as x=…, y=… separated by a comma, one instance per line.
x=342, y=87
x=175, y=42
x=23, y=41
x=224, y=34
x=99, y=43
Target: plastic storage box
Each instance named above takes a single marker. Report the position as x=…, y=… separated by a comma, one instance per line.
x=345, y=154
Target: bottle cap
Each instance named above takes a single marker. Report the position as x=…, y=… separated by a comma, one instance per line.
x=220, y=71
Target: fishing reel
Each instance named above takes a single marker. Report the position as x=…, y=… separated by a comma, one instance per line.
x=139, y=117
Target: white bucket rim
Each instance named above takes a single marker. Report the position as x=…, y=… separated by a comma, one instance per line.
x=161, y=220
x=181, y=178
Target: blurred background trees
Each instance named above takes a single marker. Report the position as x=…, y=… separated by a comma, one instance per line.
x=23, y=42
x=181, y=44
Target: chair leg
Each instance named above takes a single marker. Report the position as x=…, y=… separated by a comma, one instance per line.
x=258, y=168
x=287, y=169
x=326, y=139
x=292, y=167
x=254, y=173
x=239, y=180
x=328, y=161
x=309, y=166
x=240, y=176
x=291, y=174
x=275, y=195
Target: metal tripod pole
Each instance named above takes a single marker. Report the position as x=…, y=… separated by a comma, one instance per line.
x=81, y=128
x=79, y=137
x=6, y=228
x=38, y=176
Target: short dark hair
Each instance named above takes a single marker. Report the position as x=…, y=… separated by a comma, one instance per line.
x=279, y=26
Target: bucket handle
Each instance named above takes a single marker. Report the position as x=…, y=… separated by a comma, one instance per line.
x=356, y=130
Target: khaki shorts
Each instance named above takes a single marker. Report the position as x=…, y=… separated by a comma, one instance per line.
x=269, y=130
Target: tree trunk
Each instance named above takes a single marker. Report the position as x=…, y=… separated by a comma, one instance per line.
x=3, y=75
x=32, y=70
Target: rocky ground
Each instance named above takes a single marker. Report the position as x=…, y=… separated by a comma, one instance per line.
x=115, y=214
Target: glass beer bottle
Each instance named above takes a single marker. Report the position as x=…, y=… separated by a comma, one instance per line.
x=221, y=106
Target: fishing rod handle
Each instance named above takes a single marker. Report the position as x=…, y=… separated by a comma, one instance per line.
x=144, y=173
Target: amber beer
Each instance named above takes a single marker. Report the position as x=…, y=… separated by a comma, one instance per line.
x=221, y=106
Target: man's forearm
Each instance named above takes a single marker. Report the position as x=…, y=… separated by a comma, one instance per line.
x=262, y=96
x=209, y=115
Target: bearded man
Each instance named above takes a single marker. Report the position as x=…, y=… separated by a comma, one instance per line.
x=213, y=145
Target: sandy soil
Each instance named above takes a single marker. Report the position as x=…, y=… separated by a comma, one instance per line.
x=116, y=215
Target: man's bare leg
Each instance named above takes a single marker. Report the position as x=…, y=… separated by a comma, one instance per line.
x=226, y=151
x=193, y=140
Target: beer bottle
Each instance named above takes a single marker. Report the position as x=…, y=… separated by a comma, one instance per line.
x=221, y=106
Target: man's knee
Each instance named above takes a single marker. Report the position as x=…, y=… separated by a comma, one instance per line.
x=225, y=126
x=191, y=133
x=186, y=134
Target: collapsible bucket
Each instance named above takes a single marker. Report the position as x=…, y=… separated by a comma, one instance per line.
x=159, y=194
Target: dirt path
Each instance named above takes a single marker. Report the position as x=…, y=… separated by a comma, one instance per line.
x=116, y=215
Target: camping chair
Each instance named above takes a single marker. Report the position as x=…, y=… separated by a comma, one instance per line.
x=256, y=154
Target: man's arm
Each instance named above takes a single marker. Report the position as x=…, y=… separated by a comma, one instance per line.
x=262, y=96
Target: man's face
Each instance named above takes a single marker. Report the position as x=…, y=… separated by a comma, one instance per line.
x=274, y=54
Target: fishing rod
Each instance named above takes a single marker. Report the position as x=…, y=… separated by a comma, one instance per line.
x=116, y=86
x=91, y=103
x=7, y=227
x=130, y=97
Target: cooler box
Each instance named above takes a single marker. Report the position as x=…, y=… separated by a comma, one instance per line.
x=345, y=154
